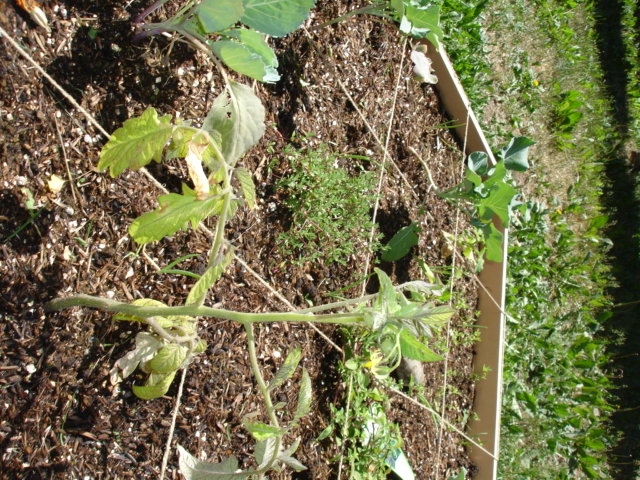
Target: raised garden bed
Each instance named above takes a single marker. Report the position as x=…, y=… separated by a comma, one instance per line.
x=347, y=86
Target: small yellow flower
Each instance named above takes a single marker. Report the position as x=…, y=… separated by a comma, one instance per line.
x=536, y=83
x=375, y=359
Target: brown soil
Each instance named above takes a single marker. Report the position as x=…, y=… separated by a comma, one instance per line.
x=59, y=415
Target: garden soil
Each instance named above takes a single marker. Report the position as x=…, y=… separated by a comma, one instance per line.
x=348, y=86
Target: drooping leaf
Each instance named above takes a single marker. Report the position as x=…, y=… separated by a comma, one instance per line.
x=262, y=431
x=246, y=185
x=276, y=17
x=305, y=396
x=401, y=243
x=292, y=462
x=146, y=347
x=208, y=279
x=243, y=59
x=264, y=451
x=136, y=143
x=414, y=349
x=237, y=119
x=175, y=213
x=516, y=152
x=286, y=370
x=168, y=359
x=194, y=469
x=216, y=15
x=157, y=385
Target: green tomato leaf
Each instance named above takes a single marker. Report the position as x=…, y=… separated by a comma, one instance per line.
x=175, y=213
x=208, y=279
x=246, y=185
x=276, y=17
x=237, y=120
x=286, y=370
x=194, y=469
x=412, y=348
x=264, y=451
x=493, y=242
x=262, y=431
x=156, y=386
x=243, y=59
x=304, y=396
x=216, y=15
x=515, y=154
x=168, y=359
x=401, y=243
x=136, y=143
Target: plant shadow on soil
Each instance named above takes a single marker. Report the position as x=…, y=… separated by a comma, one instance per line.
x=623, y=206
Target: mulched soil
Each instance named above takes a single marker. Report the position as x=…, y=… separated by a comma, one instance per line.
x=59, y=415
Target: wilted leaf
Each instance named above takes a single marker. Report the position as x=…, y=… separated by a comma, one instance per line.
x=55, y=184
x=287, y=369
x=136, y=143
x=194, y=469
x=208, y=279
x=174, y=214
x=146, y=347
x=157, y=385
x=246, y=184
x=422, y=67
x=305, y=396
x=237, y=119
x=168, y=359
x=262, y=431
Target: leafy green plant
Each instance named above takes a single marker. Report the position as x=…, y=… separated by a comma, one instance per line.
x=487, y=191
x=329, y=207
x=566, y=115
x=242, y=49
x=170, y=340
x=401, y=243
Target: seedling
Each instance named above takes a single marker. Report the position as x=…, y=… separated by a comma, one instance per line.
x=487, y=191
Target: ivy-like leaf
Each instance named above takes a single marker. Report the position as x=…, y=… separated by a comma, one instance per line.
x=262, y=431
x=136, y=143
x=286, y=370
x=414, y=349
x=246, y=185
x=174, y=214
x=216, y=15
x=401, y=243
x=237, y=120
x=157, y=385
x=168, y=359
x=243, y=59
x=208, y=279
x=276, y=17
x=305, y=396
x=194, y=469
